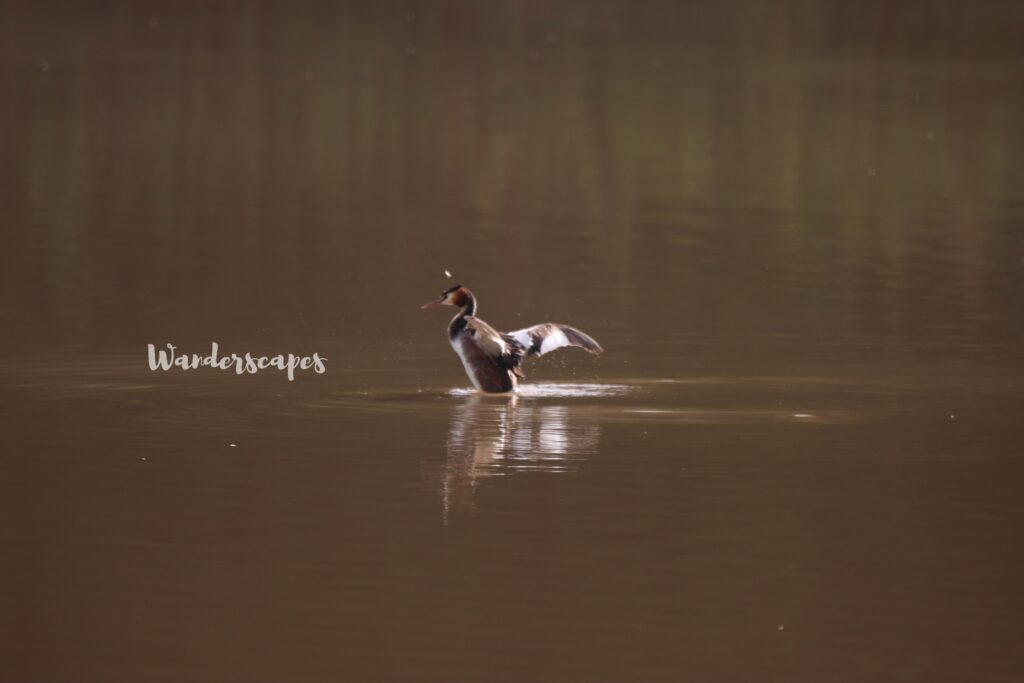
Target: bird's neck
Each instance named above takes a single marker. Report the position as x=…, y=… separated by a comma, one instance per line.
x=469, y=308
x=459, y=321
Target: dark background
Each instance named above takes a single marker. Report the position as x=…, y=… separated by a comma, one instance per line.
x=794, y=226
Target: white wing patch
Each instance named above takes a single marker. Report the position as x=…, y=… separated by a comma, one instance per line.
x=547, y=337
x=555, y=339
x=523, y=337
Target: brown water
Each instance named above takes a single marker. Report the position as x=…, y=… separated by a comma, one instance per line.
x=795, y=228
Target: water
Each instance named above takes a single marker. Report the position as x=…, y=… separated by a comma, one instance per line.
x=795, y=230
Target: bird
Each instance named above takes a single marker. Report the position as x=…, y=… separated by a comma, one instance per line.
x=493, y=359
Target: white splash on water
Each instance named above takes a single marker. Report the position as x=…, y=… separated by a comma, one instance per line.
x=556, y=390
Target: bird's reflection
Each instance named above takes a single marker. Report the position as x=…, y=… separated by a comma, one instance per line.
x=494, y=436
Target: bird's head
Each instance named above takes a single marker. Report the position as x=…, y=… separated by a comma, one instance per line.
x=453, y=296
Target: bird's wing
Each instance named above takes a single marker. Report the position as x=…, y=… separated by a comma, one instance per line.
x=488, y=338
x=540, y=339
x=501, y=347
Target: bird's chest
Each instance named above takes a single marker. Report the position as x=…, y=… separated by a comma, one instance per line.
x=485, y=372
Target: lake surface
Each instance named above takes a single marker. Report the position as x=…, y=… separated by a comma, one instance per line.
x=797, y=230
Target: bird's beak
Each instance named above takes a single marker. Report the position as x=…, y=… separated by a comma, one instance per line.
x=433, y=304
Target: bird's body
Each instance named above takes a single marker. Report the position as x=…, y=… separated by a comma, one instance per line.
x=492, y=359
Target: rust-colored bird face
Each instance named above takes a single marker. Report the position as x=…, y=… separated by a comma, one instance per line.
x=453, y=296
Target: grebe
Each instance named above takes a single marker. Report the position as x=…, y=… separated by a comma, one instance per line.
x=492, y=359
